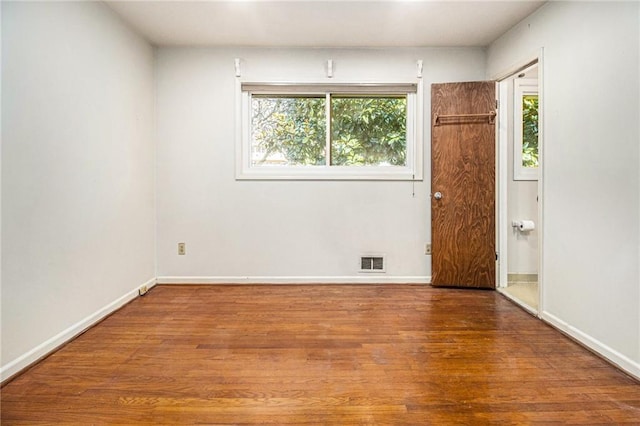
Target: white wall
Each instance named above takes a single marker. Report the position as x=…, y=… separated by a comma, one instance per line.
x=0, y=185
x=277, y=230
x=77, y=171
x=591, y=174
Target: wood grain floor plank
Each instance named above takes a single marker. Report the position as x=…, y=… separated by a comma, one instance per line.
x=325, y=354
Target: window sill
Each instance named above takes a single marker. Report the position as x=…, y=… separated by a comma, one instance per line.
x=328, y=173
x=525, y=174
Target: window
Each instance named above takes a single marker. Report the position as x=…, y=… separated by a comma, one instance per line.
x=525, y=140
x=329, y=131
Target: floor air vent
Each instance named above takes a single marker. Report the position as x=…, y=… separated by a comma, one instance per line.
x=372, y=264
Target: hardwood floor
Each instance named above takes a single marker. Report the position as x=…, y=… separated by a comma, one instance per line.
x=321, y=354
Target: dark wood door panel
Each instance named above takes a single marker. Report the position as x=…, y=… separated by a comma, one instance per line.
x=463, y=171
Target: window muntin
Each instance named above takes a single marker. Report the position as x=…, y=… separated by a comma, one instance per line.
x=370, y=131
x=525, y=138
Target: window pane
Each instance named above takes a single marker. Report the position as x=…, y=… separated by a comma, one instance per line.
x=530, y=131
x=368, y=131
x=288, y=131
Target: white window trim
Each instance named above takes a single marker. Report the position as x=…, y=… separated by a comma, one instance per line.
x=522, y=87
x=415, y=151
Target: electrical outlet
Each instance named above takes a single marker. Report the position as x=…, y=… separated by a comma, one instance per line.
x=427, y=248
x=143, y=290
x=182, y=249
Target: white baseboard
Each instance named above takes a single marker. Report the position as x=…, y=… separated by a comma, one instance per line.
x=360, y=279
x=14, y=367
x=621, y=361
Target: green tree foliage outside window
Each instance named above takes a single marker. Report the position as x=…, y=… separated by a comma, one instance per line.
x=530, y=131
x=365, y=130
x=369, y=131
x=288, y=130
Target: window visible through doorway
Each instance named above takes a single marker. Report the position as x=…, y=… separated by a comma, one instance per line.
x=525, y=160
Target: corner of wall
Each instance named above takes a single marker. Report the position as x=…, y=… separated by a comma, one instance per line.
x=1, y=138
x=638, y=101
x=16, y=366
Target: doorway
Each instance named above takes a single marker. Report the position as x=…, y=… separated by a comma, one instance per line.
x=520, y=178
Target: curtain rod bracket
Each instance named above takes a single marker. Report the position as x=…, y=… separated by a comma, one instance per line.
x=237, y=63
x=330, y=68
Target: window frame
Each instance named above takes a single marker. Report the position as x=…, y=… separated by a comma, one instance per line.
x=522, y=87
x=413, y=170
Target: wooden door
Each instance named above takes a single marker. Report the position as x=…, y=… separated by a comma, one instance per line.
x=463, y=184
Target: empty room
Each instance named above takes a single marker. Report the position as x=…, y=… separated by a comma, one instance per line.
x=320, y=212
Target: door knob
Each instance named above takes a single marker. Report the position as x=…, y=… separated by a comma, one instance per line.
x=437, y=195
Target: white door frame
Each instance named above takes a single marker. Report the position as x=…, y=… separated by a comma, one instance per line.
x=502, y=220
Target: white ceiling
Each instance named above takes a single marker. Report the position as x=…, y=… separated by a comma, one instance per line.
x=308, y=23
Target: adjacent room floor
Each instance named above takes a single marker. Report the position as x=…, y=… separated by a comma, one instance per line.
x=321, y=354
x=525, y=292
